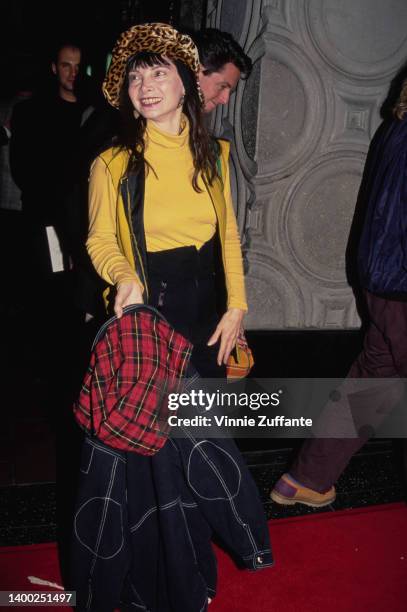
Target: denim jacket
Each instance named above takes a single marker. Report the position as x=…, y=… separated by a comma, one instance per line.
x=143, y=525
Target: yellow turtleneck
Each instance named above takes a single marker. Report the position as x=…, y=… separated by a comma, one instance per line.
x=175, y=215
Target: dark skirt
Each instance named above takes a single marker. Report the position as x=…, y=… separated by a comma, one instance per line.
x=183, y=287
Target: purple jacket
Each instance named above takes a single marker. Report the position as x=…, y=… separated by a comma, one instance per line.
x=382, y=255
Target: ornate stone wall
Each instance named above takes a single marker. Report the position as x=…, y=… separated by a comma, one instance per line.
x=302, y=124
x=243, y=20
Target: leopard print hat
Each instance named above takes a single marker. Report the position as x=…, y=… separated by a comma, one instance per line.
x=156, y=37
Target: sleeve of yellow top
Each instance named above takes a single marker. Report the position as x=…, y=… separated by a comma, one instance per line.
x=234, y=274
x=102, y=244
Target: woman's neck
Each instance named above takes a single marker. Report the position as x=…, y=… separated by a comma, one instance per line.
x=171, y=125
x=163, y=138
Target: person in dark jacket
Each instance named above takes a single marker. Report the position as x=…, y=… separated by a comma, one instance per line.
x=44, y=140
x=49, y=138
x=382, y=265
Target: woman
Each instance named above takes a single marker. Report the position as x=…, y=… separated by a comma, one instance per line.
x=158, y=203
x=168, y=261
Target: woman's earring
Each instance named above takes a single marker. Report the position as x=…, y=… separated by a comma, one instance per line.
x=136, y=114
x=181, y=101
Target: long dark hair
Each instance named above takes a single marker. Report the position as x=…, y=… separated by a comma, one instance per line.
x=400, y=108
x=131, y=136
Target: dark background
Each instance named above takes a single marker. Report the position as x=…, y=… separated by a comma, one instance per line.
x=29, y=31
x=39, y=442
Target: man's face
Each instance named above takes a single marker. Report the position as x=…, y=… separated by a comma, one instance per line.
x=218, y=86
x=66, y=70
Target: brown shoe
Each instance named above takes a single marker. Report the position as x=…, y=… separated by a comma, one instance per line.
x=288, y=492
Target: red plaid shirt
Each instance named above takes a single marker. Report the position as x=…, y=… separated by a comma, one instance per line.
x=136, y=363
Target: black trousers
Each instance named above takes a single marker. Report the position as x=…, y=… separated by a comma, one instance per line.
x=183, y=286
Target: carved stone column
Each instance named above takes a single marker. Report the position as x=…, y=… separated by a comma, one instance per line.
x=306, y=118
x=243, y=20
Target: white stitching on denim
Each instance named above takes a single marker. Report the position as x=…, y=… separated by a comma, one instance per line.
x=91, y=550
x=105, y=450
x=141, y=605
x=89, y=464
x=259, y=552
x=107, y=499
x=194, y=553
x=102, y=523
x=167, y=506
x=205, y=606
x=143, y=518
x=95, y=554
x=90, y=595
x=188, y=533
x=229, y=495
x=170, y=504
x=173, y=443
x=245, y=526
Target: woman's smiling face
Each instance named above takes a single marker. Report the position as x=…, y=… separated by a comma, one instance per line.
x=156, y=92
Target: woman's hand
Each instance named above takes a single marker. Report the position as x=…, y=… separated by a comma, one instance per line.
x=126, y=294
x=227, y=330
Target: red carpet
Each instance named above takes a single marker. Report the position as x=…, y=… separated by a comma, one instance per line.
x=348, y=561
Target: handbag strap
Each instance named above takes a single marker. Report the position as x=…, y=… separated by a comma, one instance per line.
x=219, y=166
